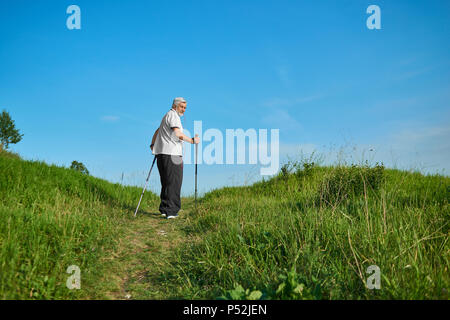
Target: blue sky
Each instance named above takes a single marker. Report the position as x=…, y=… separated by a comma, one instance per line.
x=309, y=68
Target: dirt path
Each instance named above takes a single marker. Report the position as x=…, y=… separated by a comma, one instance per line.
x=144, y=253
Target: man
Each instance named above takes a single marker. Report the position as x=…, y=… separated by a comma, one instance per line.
x=167, y=145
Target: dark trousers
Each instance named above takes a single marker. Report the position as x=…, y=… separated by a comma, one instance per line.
x=171, y=174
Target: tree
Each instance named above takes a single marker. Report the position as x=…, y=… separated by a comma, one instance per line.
x=8, y=132
x=78, y=166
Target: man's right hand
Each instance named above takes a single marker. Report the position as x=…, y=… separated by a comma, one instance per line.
x=196, y=139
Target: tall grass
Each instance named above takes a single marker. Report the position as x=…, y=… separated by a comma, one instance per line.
x=311, y=232
x=52, y=217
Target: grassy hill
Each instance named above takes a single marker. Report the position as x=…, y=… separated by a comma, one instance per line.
x=312, y=232
x=309, y=233
x=52, y=217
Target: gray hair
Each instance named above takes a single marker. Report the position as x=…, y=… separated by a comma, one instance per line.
x=177, y=101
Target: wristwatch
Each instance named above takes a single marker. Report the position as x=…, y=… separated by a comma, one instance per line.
x=192, y=140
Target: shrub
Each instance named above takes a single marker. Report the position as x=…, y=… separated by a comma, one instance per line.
x=8, y=132
x=351, y=181
x=79, y=166
x=305, y=169
x=290, y=287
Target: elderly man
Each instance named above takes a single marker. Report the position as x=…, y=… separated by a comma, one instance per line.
x=167, y=145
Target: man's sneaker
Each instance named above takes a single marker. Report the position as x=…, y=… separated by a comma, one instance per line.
x=163, y=215
x=172, y=217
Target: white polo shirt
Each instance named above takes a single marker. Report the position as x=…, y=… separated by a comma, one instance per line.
x=166, y=141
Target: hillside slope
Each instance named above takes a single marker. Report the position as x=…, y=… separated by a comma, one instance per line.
x=51, y=218
x=309, y=233
x=313, y=232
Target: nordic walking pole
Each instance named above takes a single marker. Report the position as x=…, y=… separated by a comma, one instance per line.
x=143, y=190
x=196, y=157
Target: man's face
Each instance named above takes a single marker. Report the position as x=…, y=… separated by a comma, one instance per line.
x=181, y=108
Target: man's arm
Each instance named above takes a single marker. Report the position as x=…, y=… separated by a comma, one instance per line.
x=184, y=137
x=154, y=138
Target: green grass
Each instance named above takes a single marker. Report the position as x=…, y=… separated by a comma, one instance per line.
x=52, y=217
x=317, y=229
x=308, y=233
